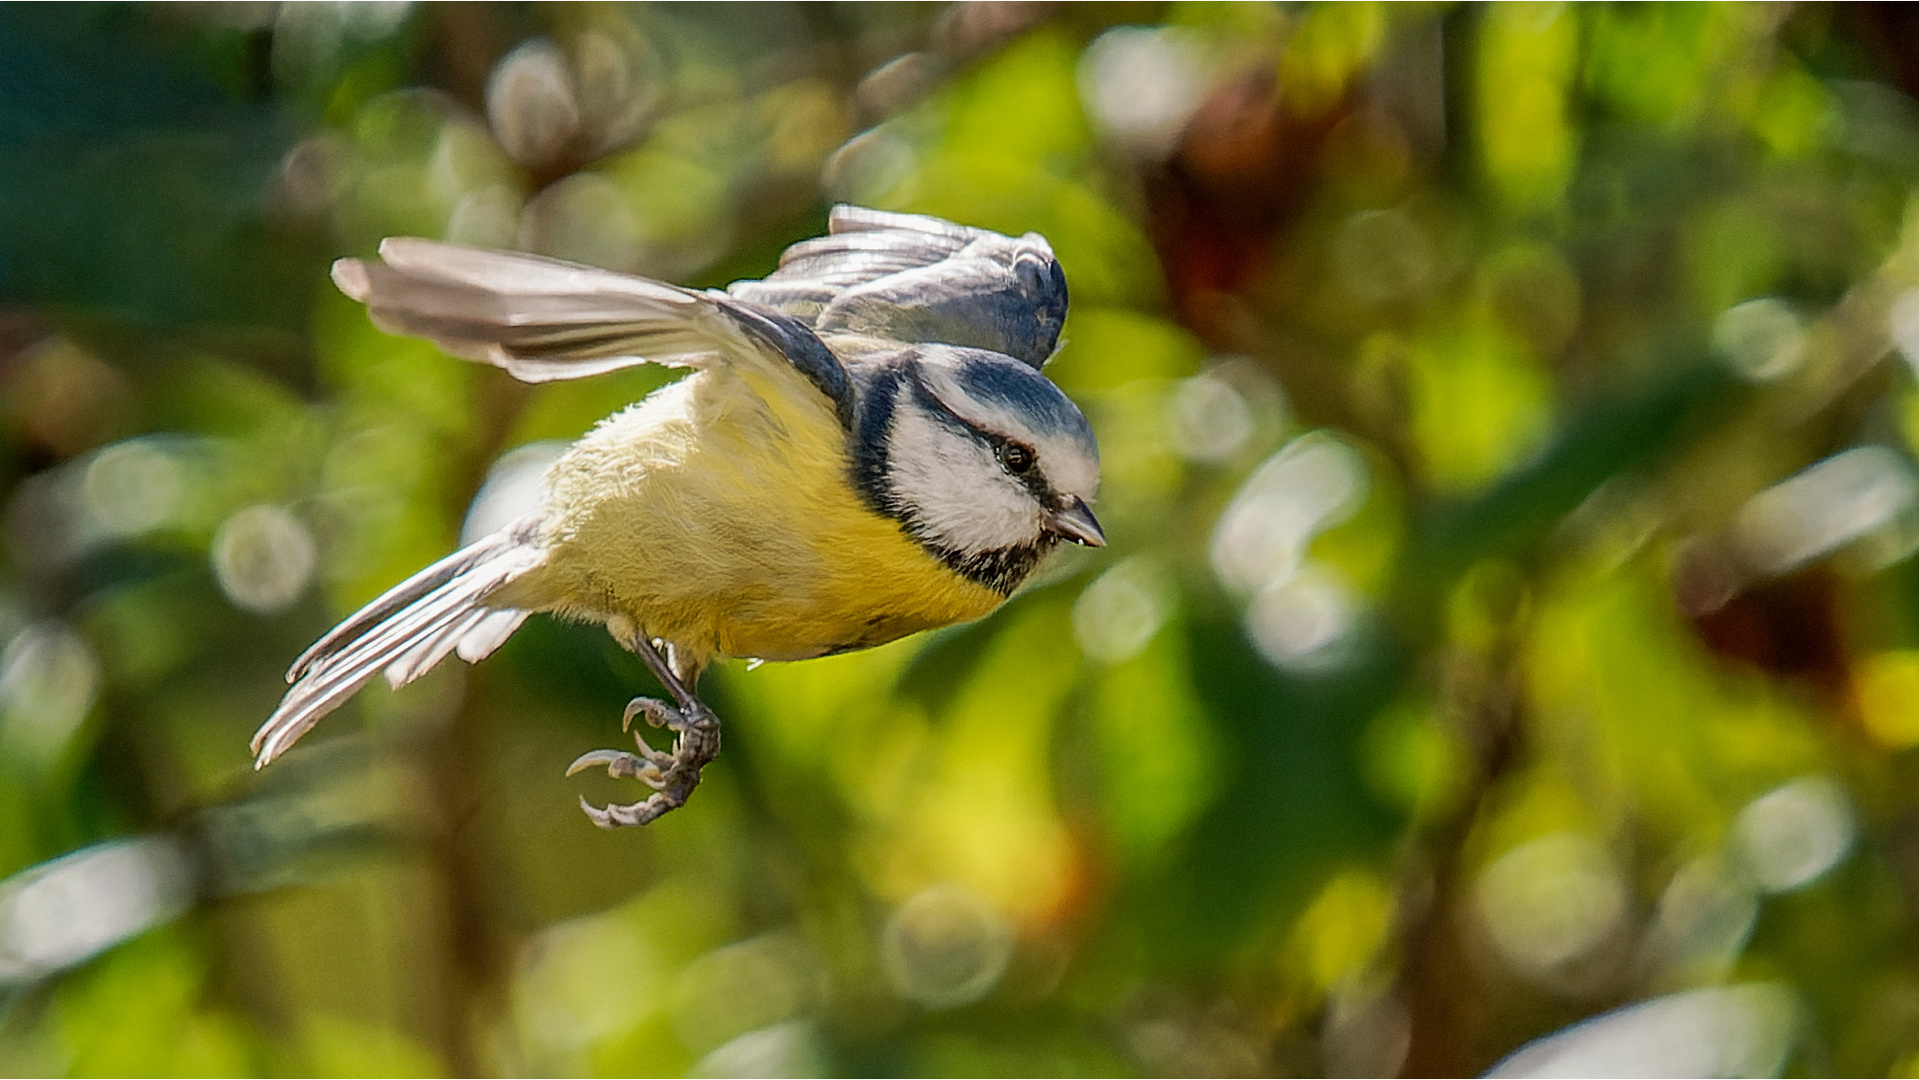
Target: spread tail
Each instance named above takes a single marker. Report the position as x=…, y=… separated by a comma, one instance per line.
x=415, y=625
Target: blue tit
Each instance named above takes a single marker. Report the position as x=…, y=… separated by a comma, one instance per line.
x=866, y=447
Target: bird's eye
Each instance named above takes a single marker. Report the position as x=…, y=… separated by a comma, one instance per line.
x=1015, y=457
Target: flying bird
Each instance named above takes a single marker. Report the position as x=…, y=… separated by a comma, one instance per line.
x=866, y=447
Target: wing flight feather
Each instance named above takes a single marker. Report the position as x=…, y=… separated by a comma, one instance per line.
x=910, y=278
x=543, y=319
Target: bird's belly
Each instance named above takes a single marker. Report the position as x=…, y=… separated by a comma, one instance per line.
x=832, y=586
x=867, y=605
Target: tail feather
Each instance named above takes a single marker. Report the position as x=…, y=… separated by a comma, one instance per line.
x=400, y=596
x=490, y=634
x=430, y=650
x=334, y=678
x=404, y=633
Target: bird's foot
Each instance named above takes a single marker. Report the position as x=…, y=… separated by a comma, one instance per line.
x=672, y=776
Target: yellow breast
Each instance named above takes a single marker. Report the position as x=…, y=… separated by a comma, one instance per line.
x=719, y=515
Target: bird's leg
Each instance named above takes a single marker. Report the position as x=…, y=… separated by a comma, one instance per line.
x=672, y=776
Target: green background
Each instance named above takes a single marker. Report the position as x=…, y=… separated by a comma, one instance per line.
x=1509, y=471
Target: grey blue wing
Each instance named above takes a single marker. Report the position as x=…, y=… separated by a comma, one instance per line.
x=909, y=278
x=543, y=319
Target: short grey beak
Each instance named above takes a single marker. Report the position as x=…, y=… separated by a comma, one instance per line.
x=1075, y=521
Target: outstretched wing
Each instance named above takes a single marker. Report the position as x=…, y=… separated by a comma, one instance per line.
x=542, y=319
x=910, y=278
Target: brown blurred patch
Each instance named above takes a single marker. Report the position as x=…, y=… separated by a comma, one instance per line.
x=470, y=38
x=1788, y=627
x=1888, y=33
x=59, y=400
x=1243, y=170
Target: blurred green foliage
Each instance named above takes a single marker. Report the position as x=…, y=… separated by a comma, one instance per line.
x=1509, y=439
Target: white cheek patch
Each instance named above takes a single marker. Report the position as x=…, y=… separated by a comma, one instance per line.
x=956, y=487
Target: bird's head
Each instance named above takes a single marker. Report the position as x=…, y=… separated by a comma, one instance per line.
x=982, y=459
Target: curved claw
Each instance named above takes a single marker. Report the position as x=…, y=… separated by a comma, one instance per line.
x=658, y=714
x=598, y=816
x=591, y=758
x=624, y=766
x=617, y=816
